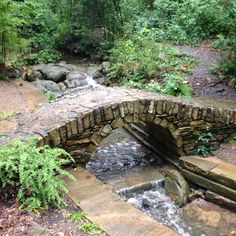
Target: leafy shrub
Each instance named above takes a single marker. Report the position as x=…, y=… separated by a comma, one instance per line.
x=227, y=66
x=42, y=57
x=141, y=62
x=203, y=144
x=188, y=21
x=32, y=170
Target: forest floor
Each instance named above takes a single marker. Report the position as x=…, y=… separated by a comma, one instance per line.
x=19, y=97
x=203, y=82
x=54, y=222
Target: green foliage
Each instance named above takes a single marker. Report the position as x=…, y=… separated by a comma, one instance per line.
x=139, y=61
x=11, y=40
x=203, y=144
x=78, y=216
x=32, y=170
x=231, y=139
x=188, y=21
x=50, y=95
x=92, y=229
x=227, y=66
x=6, y=115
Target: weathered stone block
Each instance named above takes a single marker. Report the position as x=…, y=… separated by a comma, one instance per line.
x=63, y=135
x=219, y=200
x=157, y=120
x=105, y=131
x=91, y=148
x=129, y=119
x=130, y=106
x=74, y=128
x=150, y=117
x=152, y=107
x=108, y=113
x=68, y=130
x=86, y=121
x=195, y=113
x=176, y=187
x=96, y=139
x=210, y=185
x=143, y=117
x=78, y=141
x=55, y=136
x=164, y=123
x=116, y=111
x=80, y=124
x=117, y=123
x=159, y=107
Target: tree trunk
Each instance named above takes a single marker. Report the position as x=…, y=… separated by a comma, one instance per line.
x=2, y=67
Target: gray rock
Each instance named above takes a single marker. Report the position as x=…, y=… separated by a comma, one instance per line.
x=45, y=85
x=220, y=200
x=75, y=79
x=54, y=72
x=106, y=65
x=13, y=73
x=34, y=75
x=62, y=86
x=51, y=86
x=101, y=79
x=176, y=187
x=39, y=85
x=76, y=75
x=93, y=69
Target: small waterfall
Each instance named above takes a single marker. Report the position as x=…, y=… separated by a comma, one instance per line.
x=151, y=198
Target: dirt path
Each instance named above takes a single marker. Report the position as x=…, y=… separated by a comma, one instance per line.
x=204, y=83
x=16, y=97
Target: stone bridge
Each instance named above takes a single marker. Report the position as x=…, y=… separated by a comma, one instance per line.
x=79, y=122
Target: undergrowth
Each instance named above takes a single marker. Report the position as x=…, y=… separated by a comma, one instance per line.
x=141, y=62
x=34, y=172
x=92, y=229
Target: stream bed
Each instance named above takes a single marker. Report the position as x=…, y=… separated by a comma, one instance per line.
x=137, y=174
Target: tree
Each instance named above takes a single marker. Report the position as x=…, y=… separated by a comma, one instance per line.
x=10, y=39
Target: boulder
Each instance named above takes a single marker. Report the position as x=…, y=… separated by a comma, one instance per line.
x=75, y=79
x=13, y=73
x=176, y=187
x=34, y=75
x=76, y=75
x=93, y=69
x=54, y=72
x=45, y=85
x=101, y=79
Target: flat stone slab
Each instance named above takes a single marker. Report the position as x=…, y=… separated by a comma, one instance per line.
x=209, y=184
x=105, y=207
x=211, y=168
x=224, y=173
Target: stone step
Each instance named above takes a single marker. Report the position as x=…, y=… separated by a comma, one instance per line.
x=211, y=173
x=105, y=207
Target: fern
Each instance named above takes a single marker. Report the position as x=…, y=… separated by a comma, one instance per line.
x=33, y=170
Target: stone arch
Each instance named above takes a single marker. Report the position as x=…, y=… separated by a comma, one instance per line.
x=89, y=129
x=182, y=120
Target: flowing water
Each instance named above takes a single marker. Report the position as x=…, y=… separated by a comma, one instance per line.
x=137, y=175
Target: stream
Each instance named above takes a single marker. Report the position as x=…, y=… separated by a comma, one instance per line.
x=137, y=175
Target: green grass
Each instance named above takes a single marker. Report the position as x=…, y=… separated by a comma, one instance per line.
x=6, y=115
x=77, y=216
x=92, y=229
x=50, y=95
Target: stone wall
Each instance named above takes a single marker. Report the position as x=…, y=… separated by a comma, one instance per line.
x=84, y=133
